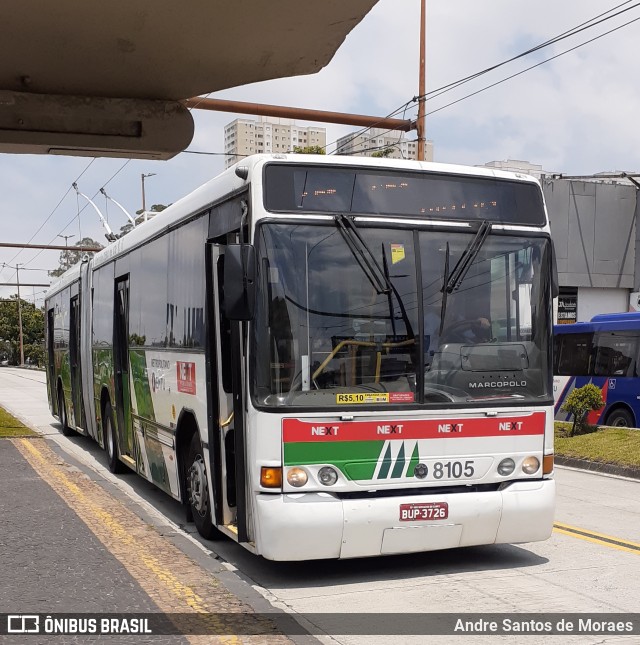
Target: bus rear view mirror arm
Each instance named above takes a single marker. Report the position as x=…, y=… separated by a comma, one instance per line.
x=239, y=281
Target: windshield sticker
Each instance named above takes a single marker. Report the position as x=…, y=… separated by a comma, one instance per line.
x=375, y=397
x=397, y=253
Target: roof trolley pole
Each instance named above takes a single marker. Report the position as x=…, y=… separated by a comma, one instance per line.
x=110, y=235
x=120, y=206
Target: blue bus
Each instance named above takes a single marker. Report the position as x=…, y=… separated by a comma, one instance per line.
x=603, y=352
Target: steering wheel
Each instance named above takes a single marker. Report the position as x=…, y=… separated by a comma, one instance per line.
x=458, y=332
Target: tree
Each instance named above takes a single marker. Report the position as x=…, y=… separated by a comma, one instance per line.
x=156, y=208
x=309, y=150
x=70, y=257
x=580, y=402
x=32, y=331
x=387, y=152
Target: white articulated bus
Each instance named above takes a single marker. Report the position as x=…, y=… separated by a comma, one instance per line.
x=325, y=357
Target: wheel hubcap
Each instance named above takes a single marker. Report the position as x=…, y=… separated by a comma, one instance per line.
x=198, y=486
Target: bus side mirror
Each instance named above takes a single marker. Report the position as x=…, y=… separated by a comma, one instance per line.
x=239, y=281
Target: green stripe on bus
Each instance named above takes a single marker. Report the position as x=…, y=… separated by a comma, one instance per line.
x=356, y=459
x=315, y=452
x=386, y=463
x=399, y=465
x=415, y=460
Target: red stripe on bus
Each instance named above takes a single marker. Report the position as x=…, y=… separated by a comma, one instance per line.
x=594, y=415
x=297, y=430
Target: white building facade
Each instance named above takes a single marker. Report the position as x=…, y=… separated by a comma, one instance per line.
x=244, y=137
x=377, y=140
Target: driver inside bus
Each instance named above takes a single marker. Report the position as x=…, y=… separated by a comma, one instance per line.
x=465, y=324
x=473, y=330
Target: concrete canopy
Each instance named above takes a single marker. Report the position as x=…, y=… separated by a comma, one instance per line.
x=107, y=78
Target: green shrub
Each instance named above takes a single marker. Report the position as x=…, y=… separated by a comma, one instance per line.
x=579, y=403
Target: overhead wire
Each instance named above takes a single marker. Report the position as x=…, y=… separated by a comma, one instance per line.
x=70, y=222
x=588, y=24
x=53, y=211
x=358, y=133
x=85, y=206
x=551, y=41
x=606, y=33
x=345, y=150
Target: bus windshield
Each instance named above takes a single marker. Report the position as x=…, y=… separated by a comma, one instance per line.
x=369, y=315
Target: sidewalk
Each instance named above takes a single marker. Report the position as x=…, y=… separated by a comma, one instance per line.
x=51, y=561
x=22, y=389
x=68, y=546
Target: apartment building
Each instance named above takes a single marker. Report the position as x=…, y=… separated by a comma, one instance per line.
x=244, y=137
x=376, y=140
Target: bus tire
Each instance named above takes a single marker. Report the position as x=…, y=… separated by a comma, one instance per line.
x=110, y=441
x=62, y=414
x=198, y=490
x=621, y=418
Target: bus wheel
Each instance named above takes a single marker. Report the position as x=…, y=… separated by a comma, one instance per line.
x=110, y=443
x=62, y=414
x=198, y=490
x=621, y=418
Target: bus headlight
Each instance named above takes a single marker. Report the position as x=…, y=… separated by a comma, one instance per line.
x=506, y=466
x=297, y=477
x=530, y=465
x=327, y=476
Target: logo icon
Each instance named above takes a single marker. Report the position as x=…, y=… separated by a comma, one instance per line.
x=23, y=624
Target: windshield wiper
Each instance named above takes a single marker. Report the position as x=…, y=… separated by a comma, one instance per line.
x=363, y=255
x=445, y=282
x=403, y=310
x=454, y=280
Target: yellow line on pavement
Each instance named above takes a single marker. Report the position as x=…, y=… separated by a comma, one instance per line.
x=119, y=533
x=597, y=538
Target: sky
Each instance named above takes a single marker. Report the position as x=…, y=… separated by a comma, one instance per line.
x=576, y=114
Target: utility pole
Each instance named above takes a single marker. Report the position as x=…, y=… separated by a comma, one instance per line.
x=20, y=316
x=421, y=123
x=144, y=206
x=17, y=268
x=66, y=244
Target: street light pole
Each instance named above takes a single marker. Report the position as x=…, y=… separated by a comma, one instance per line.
x=17, y=268
x=66, y=237
x=20, y=316
x=144, y=205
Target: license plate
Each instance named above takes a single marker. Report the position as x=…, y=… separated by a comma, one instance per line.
x=425, y=511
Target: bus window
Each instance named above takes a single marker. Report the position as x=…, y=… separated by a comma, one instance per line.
x=615, y=355
x=573, y=354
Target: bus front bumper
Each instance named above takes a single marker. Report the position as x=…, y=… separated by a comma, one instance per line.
x=308, y=526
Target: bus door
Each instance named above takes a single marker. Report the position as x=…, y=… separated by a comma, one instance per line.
x=226, y=436
x=51, y=364
x=121, y=368
x=77, y=417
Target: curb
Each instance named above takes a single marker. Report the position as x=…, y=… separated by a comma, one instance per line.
x=598, y=467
